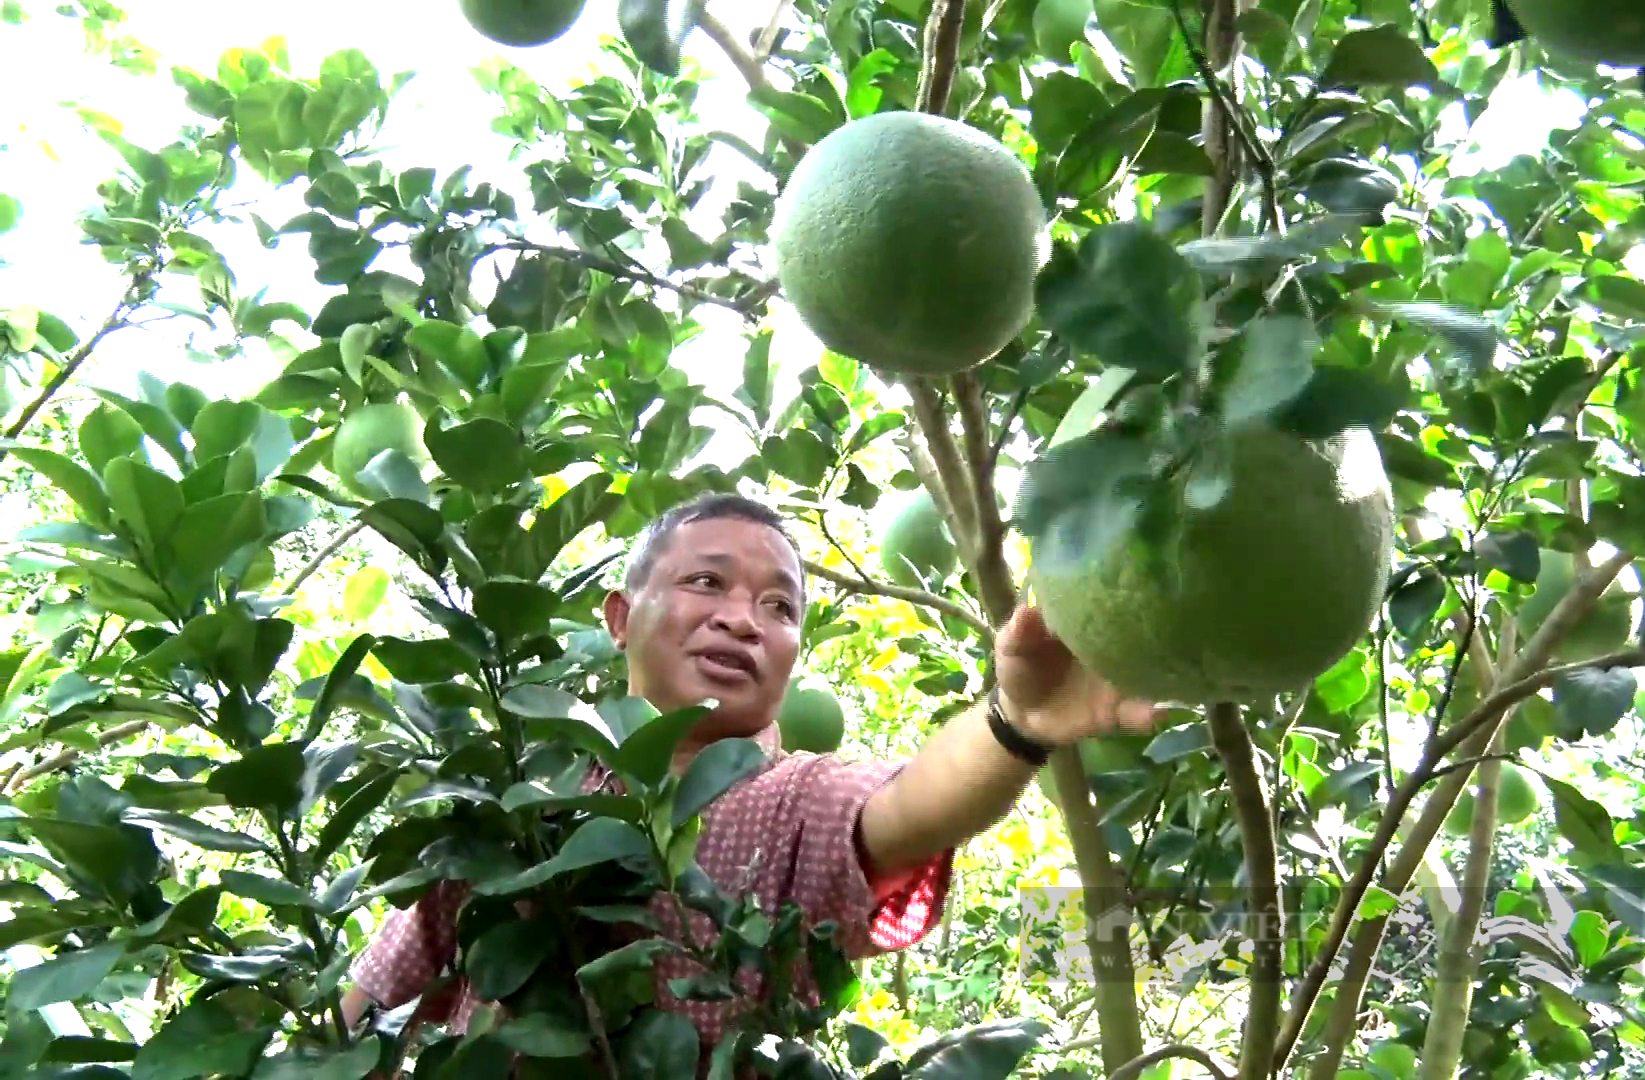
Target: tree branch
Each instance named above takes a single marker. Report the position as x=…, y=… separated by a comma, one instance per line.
x=752, y=70
x=1136, y=1065
x=117, y=319
x=945, y=457
x=1265, y=925
x=1108, y=915
x=993, y=572
x=749, y=307
x=68, y=757
x=1523, y=679
x=898, y=592
x=942, y=52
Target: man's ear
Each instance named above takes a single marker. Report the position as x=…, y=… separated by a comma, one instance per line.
x=616, y=616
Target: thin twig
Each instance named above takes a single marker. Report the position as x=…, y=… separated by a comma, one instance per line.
x=768, y=37
x=1135, y=1066
x=343, y=536
x=898, y=592
x=120, y=317
x=749, y=306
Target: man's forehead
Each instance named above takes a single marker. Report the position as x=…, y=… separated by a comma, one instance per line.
x=726, y=542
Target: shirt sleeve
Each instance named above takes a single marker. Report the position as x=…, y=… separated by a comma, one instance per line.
x=827, y=796
x=414, y=945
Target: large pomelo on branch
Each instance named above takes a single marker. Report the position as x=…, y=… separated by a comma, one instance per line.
x=1517, y=798
x=521, y=23
x=811, y=718
x=1258, y=594
x=1610, y=32
x=370, y=430
x=916, y=547
x=1605, y=629
x=910, y=242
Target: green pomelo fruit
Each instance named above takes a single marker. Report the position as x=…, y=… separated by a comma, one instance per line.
x=369, y=431
x=1516, y=799
x=811, y=719
x=1605, y=629
x=1058, y=24
x=1608, y=32
x=521, y=23
x=1259, y=594
x=910, y=242
x=917, y=546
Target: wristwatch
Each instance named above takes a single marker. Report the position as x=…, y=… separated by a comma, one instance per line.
x=1024, y=747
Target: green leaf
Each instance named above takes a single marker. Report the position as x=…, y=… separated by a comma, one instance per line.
x=1583, y=822
x=482, y=455
x=205, y=1039
x=107, y=433
x=339, y=675
x=1127, y=297
x=1617, y=295
x=644, y=756
x=145, y=499
x=365, y=592
x=1275, y=366
x=863, y=1045
x=1514, y=552
x=432, y=660
x=1594, y=700
x=541, y=1036
x=715, y=769
x=1378, y=56
x=1080, y=499
x=68, y=976
x=1178, y=742
x=584, y=504
x=71, y=479
x=504, y=957
x=266, y=777
x=1414, y=603
x=1473, y=337
x=354, y=810
x=1591, y=936
x=114, y=861
x=321, y=1063
x=654, y=30
x=515, y=610
x=198, y=833
x=989, y=1051
x=659, y=1046
x=596, y=841
x=274, y=892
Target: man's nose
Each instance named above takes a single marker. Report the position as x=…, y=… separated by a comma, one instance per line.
x=735, y=615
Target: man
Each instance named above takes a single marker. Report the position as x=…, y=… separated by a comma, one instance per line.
x=712, y=607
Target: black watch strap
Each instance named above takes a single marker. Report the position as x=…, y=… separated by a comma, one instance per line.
x=1019, y=745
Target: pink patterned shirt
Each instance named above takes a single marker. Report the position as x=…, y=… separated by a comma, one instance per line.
x=787, y=832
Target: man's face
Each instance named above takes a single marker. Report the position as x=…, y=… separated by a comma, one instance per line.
x=718, y=617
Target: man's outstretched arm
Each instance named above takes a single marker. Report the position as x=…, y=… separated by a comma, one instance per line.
x=963, y=781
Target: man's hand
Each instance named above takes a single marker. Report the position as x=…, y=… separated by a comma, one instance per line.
x=963, y=781
x=1048, y=695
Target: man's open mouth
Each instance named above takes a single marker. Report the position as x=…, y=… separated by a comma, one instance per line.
x=729, y=663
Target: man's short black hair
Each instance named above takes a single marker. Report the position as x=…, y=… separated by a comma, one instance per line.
x=653, y=539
